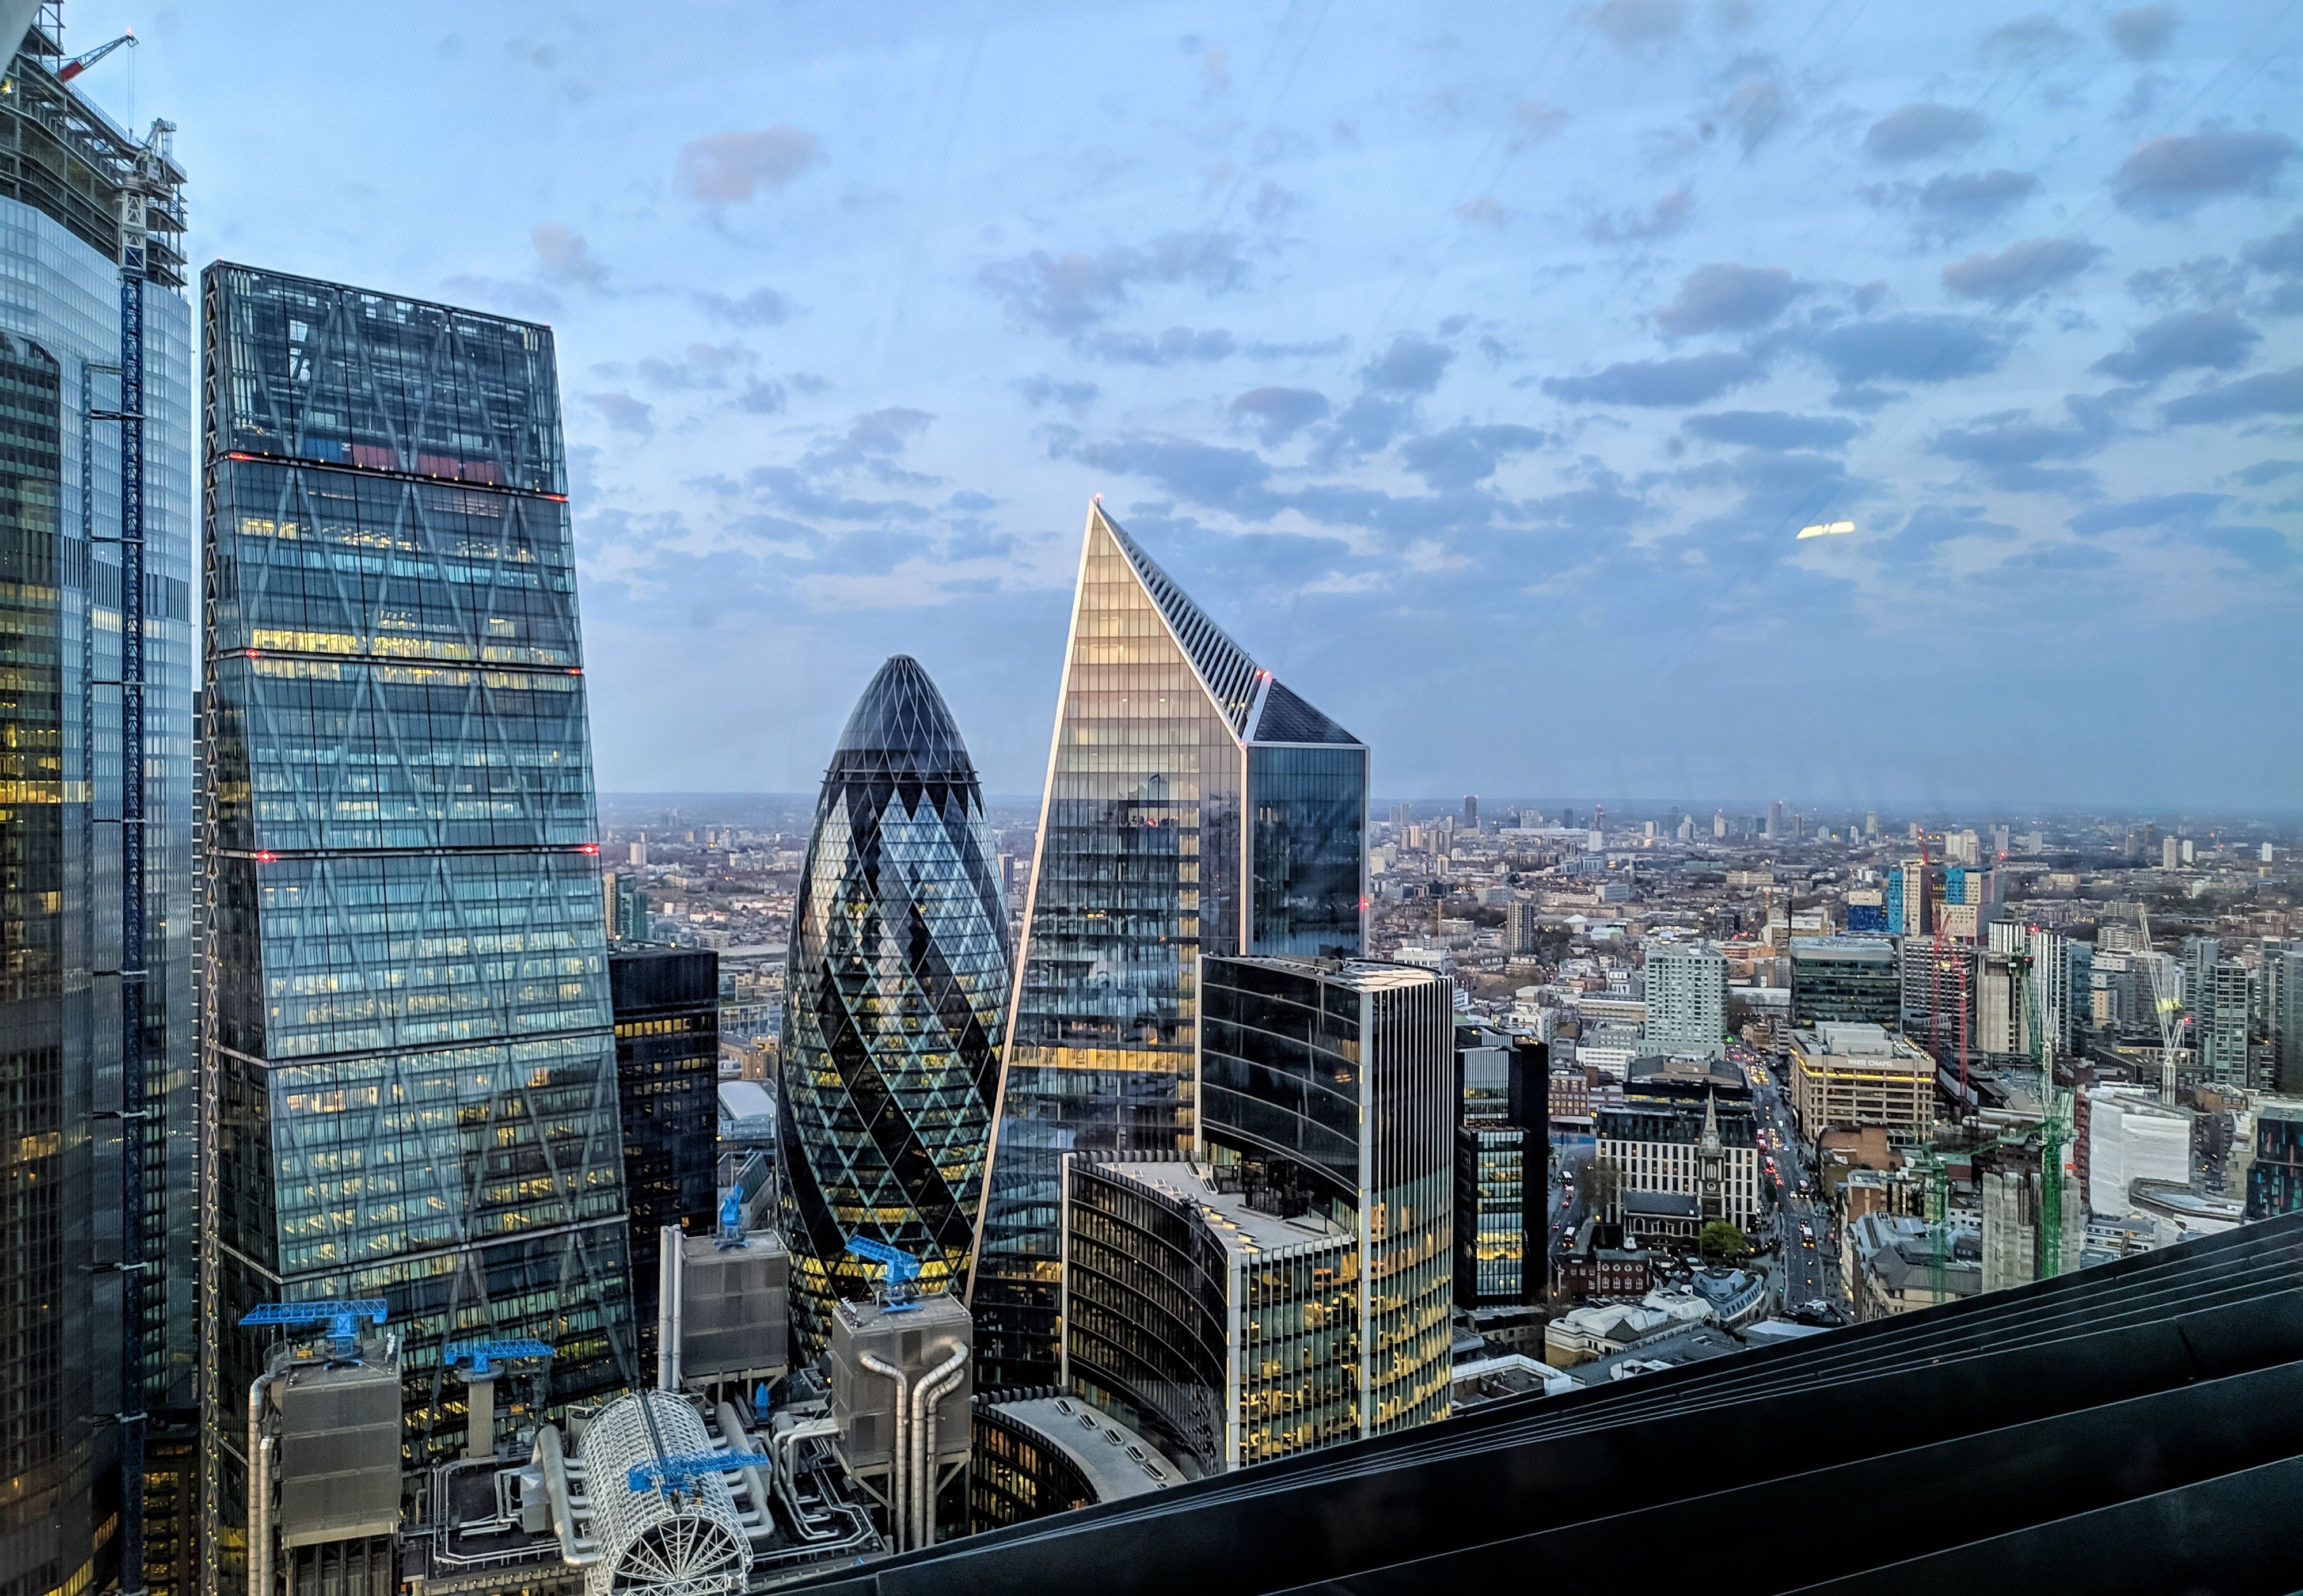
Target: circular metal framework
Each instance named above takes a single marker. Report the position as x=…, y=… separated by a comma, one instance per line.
x=668, y=1542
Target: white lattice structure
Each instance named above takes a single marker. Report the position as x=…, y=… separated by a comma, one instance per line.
x=684, y=1542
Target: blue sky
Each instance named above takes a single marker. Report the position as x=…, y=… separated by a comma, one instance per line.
x=1475, y=366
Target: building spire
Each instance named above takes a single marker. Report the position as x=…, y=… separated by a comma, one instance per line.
x=1711, y=1143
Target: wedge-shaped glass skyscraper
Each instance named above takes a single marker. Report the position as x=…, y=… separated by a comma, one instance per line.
x=897, y=1003
x=1194, y=805
x=408, y=1039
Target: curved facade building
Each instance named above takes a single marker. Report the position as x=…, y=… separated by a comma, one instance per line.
x=896, y=1001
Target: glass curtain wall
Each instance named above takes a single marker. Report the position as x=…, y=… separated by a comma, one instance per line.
x=1194, y=805
x=898, y=983
x=411, y=1026
x=1138, y=870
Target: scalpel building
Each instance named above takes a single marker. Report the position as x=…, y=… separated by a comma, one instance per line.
x=1193, y=805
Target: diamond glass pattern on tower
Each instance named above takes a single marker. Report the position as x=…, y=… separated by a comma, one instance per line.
x=1193, y=803
x=408, y=1037
x=898, y=1000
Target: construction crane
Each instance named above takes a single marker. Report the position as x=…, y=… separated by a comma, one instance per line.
x=341, y=1315
x=898, y=1291
x=484, y=1355
x=671, y=1474
x=87, y=58
x=2165, y=1007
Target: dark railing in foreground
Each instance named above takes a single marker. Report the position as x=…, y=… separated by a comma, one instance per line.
x=2138, y=1427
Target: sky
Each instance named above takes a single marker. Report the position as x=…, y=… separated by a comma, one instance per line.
x=1476, y=367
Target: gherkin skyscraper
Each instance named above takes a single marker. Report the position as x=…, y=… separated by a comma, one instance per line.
x=896, y=1004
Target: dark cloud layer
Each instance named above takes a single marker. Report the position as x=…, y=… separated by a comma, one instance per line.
x=1069, y=293
x=1684, y=380
x=2173, y=175
x=1915, y=132
x=2021, y=270
x=2188, y=340
x=1727, y=297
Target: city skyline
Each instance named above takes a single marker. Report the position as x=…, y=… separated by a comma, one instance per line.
x=1521, y=355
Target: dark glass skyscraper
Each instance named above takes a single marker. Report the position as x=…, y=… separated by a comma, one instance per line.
x=896, y=1001
x=408, y=1037
x=1194, y=805
x=667, y=1009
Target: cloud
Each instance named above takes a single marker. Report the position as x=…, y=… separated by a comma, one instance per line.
x=1279, y=414
x=2028, y=39
x=2174, y=174
x=724, y=168
x=1216, y=67
x=2281, y=254
x=1910, y=348
x=1633, y=23
x=2153, y=512
x=1668, y=215
x=1931, y=525
x=2142, y=32
x=2010, y=447
x=698, y=366
x=1273, y=203
x=2021, y=270
x=1958, y=200
x=1770, y=429
x=1174, y=347
x=1045, y=390
x=1754, y=109
x=1208, y=474
x=2210, y=280
x=1539, y=120
x=2185, y=341
x=2262, y=548
x=623, y=412
x=1370, y=421
x=760, y=307
x=1956, y=203
x=1409, y=365
x=564, y=255
x=761, y=397
x=1687, y=380
x=1913, y=132
x=509, y=295
x=1727, y=297
x=2269, y=470
x=1480, y=210
x=2265, y=394
x=1065, y=293
x=1466, y=454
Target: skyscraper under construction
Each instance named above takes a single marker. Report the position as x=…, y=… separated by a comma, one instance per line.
x=96, y=1364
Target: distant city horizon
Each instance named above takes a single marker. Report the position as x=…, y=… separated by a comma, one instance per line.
x=1835, y=811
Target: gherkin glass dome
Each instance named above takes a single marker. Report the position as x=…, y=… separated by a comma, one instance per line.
x=896, y=1003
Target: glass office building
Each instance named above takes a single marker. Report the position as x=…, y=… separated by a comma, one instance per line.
x=408, y=1027
x=898, y=991
x=64, y=170
x=666, y=1002
x=1503, y=1167
x=1194, y=805
x=1326, y=1090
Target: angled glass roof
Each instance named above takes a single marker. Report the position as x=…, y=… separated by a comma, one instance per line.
x=1224, y=667
x=901, y=727
x=1286, y=718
